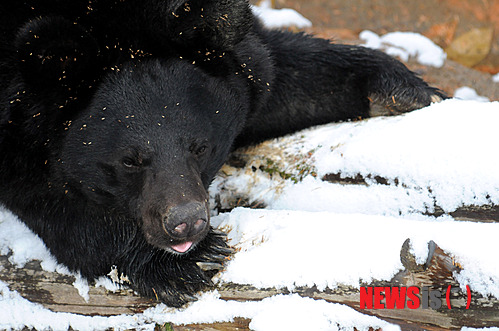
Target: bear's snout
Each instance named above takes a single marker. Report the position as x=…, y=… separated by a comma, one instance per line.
x=186, y=222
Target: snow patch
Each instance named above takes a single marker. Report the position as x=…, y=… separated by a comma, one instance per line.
x=279, y=18
x=16, y=313
x=23, y=245
x=406, y=45
x=442, y=151
x=438, y=156
x=288, y=249
x=280, y=312
x=467, y=93
x=81, y=284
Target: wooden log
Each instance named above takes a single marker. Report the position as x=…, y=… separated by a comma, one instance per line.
x=56, y=292
x=435, y=274
x=484, y=214
x=471, y=213
x=239, y=324
x=267, y=158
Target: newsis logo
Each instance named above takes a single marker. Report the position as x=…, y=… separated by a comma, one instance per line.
x=412, y=297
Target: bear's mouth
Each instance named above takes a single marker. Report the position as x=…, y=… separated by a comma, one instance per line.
x=182, y=247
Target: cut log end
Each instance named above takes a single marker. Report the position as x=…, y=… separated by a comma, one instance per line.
x=437, y=271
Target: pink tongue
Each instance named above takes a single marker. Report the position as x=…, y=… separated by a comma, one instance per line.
x=183, y=247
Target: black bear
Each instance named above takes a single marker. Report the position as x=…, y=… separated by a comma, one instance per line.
x=115, y=115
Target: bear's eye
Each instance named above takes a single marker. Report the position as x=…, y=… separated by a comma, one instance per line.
x=128, y=162
x=201, y=150
x=198, y=150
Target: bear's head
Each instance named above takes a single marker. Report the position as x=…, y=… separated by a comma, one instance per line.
x=144, y=142
x=149, y=143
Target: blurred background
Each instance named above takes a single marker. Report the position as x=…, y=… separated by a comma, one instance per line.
x=468, y=31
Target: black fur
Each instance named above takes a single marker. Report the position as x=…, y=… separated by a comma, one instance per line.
x=116, y=115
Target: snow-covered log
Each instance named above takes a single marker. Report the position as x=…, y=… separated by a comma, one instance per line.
x=57, y=292
x=436, y=161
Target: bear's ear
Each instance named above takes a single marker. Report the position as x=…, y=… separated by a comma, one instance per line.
x=55, y=53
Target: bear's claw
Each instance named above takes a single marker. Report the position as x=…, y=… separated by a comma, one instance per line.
x=187, y=274
x=208, y=266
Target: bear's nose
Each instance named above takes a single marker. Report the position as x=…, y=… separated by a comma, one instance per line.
x=186, y=220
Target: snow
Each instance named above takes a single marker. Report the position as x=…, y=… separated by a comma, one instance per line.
x=495, y=78
x=280, y=312
x=24, y=246
x=279, y=18
x=456, y=135
x=462, y=168
x=406, y=45
x=270, y=257
x=17, y=313
x=467, y=93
